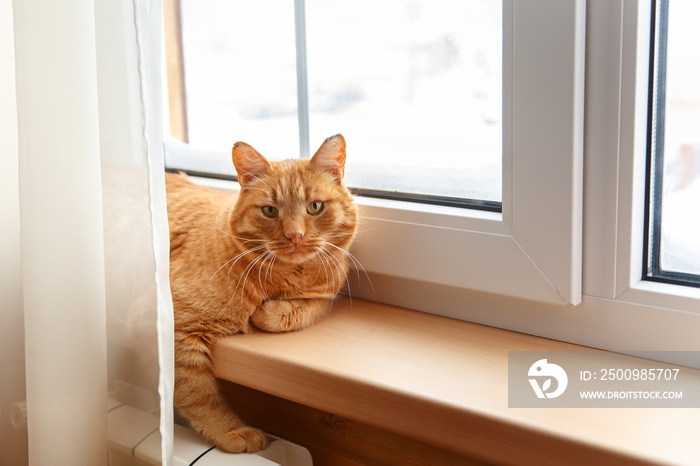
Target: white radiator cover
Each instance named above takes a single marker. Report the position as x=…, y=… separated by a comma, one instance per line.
x=134, y=440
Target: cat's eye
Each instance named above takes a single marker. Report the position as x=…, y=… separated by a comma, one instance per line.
x=315, y=207
x=270, y=212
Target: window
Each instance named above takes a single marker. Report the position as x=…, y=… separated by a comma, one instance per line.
x=415, y=87
x=673, y=237
x=536, y=266
x=534, y=153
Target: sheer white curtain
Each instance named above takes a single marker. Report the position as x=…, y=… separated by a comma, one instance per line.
x=86, y=315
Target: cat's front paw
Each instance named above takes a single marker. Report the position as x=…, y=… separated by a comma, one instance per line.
x=274, y=316
x=243, y=439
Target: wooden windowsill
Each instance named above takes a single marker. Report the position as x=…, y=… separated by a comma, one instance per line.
x=445, y=382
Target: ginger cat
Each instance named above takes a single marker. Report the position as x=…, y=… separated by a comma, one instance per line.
x=273, y=260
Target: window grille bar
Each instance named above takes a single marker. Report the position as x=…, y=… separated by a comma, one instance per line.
x=302, y=78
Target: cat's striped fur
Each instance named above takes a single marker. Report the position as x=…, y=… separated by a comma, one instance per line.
x=235, y=268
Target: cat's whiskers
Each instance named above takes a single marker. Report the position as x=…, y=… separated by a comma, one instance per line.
x=339, y=264
x=357, y=267
x=236, y=259
x=333, y=264
x=336, y=235
x=333, y=269
x=269, y=270
x=246, y=272
x=247, y=240
x=249, y=251
x=269, y=255
x=349, y=233
x=262, y=259
x=323, y=256
x=364, y=231
x=318, y=272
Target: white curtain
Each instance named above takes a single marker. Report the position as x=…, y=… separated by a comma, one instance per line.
x=86, y=316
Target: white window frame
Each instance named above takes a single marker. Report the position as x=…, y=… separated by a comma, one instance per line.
x=522, y=268
x=631, y=193
x=619, y=311
x=532, y=249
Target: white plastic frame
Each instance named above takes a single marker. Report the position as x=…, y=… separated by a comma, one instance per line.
x=618, y=311
x=629, y=286
x=533, y=249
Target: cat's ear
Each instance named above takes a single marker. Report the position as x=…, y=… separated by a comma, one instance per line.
x=330, y=157
x=249, y=163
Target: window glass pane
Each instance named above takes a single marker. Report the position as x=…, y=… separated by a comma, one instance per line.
x=415, y=87
x=675, y=220
x=240, y=76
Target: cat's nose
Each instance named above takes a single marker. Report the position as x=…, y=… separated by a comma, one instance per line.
x=295, y=237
